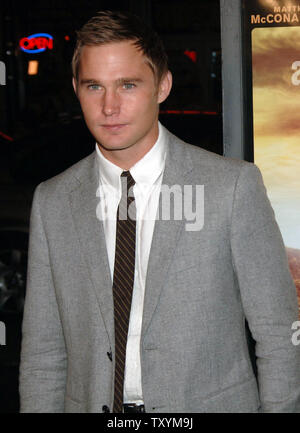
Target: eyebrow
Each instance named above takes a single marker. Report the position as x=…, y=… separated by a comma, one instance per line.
x=118, y=82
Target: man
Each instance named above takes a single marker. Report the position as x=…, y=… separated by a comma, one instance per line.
x=145, y=313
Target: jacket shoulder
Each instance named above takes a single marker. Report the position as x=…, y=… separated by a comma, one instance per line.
x=206, y=162
x=70, y=178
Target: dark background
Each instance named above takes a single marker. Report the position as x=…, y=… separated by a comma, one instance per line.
x=42, y=131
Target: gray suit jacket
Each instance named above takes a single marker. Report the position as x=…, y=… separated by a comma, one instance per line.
x=200, y=287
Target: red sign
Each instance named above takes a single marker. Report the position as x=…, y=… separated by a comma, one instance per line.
x=37, y=43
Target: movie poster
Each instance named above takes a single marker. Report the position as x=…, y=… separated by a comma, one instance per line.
x=274, y=30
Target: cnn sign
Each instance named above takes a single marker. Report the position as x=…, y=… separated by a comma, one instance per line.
x=36, y=43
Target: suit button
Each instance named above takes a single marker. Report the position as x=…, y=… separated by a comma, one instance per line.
x=105, y=409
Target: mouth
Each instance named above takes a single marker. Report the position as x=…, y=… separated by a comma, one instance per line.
x=114, y=127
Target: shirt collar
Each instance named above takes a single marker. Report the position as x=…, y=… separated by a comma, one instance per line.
x=145, y=171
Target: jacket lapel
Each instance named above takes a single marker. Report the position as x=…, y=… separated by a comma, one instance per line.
x=83, y=201
x=166, y=233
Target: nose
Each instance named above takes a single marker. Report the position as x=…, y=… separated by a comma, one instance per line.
x=111, y=103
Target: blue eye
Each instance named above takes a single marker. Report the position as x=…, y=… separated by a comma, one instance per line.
x=128, y=86
x=94, y=87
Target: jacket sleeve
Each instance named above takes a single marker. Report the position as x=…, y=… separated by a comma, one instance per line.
x=43, y=356
x=267, y=291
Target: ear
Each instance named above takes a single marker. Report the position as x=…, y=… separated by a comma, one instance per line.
x=165, y=86
x=74, y=82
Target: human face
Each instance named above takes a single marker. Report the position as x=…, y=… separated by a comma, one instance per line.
x=119, y=98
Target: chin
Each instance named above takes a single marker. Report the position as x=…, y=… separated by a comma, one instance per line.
x=112, y=146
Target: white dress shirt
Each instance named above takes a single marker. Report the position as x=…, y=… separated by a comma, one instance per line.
x=147, y=173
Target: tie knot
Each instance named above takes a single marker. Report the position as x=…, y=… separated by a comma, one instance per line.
x=129, y=178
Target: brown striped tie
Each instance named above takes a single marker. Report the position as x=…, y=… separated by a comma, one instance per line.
x=123, y=281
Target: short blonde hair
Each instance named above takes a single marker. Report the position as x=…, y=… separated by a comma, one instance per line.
x=112, y=26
